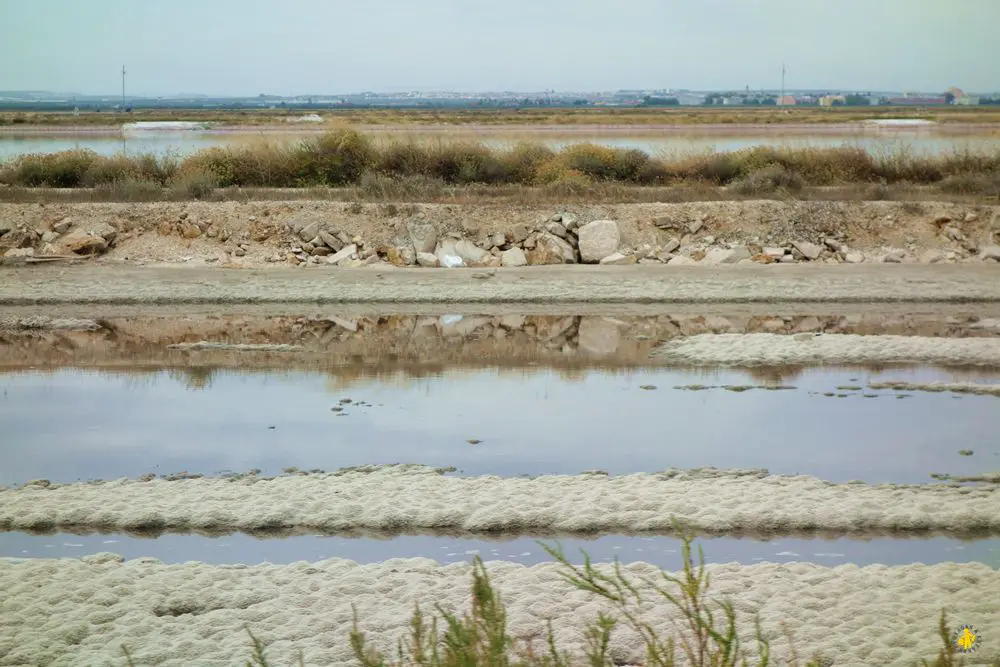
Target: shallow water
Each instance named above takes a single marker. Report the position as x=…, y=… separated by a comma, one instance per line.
x=920, y=141
x=69, y=424
x=664, y=552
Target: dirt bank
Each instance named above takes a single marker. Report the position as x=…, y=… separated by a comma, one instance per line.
x=421, y=498
x=48, y=285
x=350, y=344
x=81, y=611
x=256, y=234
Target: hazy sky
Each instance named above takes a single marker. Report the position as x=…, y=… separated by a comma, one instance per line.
x=333, y=46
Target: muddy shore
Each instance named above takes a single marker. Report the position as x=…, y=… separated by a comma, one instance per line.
x=44, y=285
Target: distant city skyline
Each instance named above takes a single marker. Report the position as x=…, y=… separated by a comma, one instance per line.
x=330, y=47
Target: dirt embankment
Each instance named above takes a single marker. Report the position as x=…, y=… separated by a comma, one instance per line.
x=256, y=234
x=350, y=345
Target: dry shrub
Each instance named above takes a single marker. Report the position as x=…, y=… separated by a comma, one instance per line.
x=193, y=184
x=603, y=163
x=768, y=180
x=524, y=161
x=336, y=158
x=65, y=169
x=983, y=184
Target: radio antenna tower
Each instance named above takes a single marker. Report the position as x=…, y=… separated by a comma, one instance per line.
x=123, y=87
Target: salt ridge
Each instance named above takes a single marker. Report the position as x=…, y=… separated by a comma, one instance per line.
x=80, y=612
x=415, y=498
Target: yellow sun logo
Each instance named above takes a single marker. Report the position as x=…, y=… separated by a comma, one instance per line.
x=966, y=639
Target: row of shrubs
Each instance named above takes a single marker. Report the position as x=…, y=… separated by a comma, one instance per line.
x=345, y=157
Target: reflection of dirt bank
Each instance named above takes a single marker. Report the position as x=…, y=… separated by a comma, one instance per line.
x=351, y=346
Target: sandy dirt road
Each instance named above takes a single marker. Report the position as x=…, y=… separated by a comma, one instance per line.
x=110, y=285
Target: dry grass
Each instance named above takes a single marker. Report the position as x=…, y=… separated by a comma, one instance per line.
x=350, y=161
x=525, y=116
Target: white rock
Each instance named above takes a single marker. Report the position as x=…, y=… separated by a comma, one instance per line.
x=681, y=260
x=809, y=250
x=931, y=256
x=726, y=255
x=990, y=252
x=854, y=258
x=513, y=257
x=774, y=252
x=894, y=256
x=344, y=254
x=598, y=239
x=427, y=259
x=618, y=258
x=20, y=252
x=671, y=245
x=696, y=226
x=470, y=252
x=423, y=235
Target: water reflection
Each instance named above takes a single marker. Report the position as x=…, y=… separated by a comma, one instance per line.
x=663, y=552
x=67, y=425
x=922, y=141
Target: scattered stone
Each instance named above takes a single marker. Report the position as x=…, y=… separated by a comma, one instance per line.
x=617, y=258
x=407, y=255
x=708, y=240
x=519, y=233
x=240, y=252
x=809, y=250
x=330, y=240
x=423, y=235
x=774, y=252
x=681, y=260
x=498, y=239
x=598, y=239
x=671, y=245
x=550, y=249
x=320, y=251
x=346, y=253
x=894, y=256
x=513, y=257
x=696, y=226
x=942, y=220
x=931, y=256
x=854, y=258
x=49, y=237
x=469, y=252
x=568, y=220
x=726, y=255
x=833, y=244
x=990, y=252
x=60, y=227
x=83, y=242
x=555, y=228
x=20, y=252
x=971, y=217
x=427, y=259
x=786, y=259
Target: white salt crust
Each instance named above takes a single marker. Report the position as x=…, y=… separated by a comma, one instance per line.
x=955, y=387
x=415, y=498
x=79, y=612
x=761, y=349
